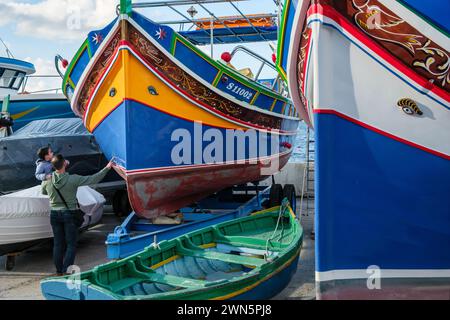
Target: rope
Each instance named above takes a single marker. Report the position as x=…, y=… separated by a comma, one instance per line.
x=280, y=215
x=305, y=171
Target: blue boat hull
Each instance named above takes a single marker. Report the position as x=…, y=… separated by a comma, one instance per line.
x=60, y=290
x=162, y=180
x=393, y=223
x=23, y=111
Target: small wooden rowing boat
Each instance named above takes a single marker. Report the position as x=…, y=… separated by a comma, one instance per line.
x=248, y=258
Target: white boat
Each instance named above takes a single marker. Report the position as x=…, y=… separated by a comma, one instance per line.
x=24, y=106
x=25, y=217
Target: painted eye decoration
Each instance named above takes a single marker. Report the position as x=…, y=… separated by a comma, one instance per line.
x=409, y=106
x=152, y=91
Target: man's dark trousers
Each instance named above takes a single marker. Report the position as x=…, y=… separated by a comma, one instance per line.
x=65, y=232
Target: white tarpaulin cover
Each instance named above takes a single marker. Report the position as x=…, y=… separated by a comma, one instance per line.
x=32, y=203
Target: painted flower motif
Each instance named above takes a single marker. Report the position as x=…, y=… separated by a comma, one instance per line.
x=161, y=34
x=97, y=38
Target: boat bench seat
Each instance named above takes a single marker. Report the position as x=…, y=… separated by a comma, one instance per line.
x=136, y=277
x=225, y=257
x=170, y=280
x=176, y=281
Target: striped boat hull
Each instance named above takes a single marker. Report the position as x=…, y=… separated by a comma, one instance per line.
x=381, y=118
x=143, y=105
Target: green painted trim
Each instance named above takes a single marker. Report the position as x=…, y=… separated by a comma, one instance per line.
x=72, y=64
x=281, y=37
x=240, y=78
x=173, y=44
x=431, y=23
x=89, y=51
x=5, y=104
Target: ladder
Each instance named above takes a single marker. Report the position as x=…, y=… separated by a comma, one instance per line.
x=310, y=168
x=308, y=180
x=308, y=173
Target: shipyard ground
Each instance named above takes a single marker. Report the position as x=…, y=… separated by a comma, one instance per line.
x=35, y=264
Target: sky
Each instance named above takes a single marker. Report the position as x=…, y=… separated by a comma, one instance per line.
x=37, y=30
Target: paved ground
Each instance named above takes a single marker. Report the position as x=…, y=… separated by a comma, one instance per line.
x=302, y=285
x=35, y=264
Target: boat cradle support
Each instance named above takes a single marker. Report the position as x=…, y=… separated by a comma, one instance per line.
x=135, y=233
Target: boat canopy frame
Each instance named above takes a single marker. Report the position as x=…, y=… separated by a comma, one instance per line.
x=263, y=35
x=213, y=36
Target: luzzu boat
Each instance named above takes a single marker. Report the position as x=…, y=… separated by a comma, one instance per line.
x=23, y=107
x=164, y=111
x=372, y=78
x=248, y=258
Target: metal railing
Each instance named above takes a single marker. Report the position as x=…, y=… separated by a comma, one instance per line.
x=172, y=4
x=22, y=89
x=278, y=85
x=264, y=62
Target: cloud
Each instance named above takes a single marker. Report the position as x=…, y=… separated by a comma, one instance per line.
x=57, y=19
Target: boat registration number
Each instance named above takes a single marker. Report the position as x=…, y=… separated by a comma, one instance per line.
x=239, y=91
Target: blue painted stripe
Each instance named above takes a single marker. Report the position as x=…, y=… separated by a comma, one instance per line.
x=80, y=66
x=292, y=8
x=278, y=106
x=194, y=62
x=133, y=125
x=379, y=62
x=264, y=102
x=437, y=11
x=19, y=63
x=46, y=109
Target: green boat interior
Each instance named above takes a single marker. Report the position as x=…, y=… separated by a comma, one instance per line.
x=198, y=260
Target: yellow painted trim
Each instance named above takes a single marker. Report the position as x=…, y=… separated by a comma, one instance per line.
x=71, y=82
x=160, y=264
x=250, y=267
x=292, y=212
x=265, y=211
x=209, y=245
x=217, y=78
x=23, y=113
x=175, y=257
x=283, y=108
x=273, y=104
x=248, y=288
x=255, y=97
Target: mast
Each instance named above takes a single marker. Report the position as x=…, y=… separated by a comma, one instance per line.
x=125, y=7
